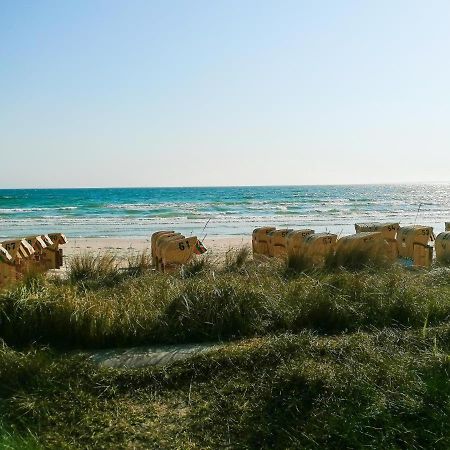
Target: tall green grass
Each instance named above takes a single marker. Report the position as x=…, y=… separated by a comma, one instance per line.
x=139, y=263
x=94, y=270
x=384, y=389
x=11, y=440
x=236, y=259
x=240, y=298
x=344, y=357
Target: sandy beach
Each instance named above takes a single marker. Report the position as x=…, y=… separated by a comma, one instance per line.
x=123, y=247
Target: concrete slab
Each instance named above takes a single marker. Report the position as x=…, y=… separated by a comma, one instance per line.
x=147, y=356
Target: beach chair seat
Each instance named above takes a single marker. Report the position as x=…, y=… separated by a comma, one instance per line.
x=39, y=243
x=153, y=243
x=21, y=252
x=388, y=230
x=422, y=255
x=278, y=243
x=294, y=240
x=8, y=270
x=177, y=252
x=364, y=246
x=260, y=241
x=58, y=239
x=364, y=240
x=18, y=249
x=442, y=246
x=46, y=239
x=52, y=255
x=5, y=256
x=153, y=239
x=156, y=261
x=317, y=247
x=412, y=235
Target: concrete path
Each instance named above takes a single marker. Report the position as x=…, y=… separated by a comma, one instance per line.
x=147, y=356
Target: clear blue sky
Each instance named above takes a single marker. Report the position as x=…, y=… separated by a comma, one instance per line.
x=160, y=93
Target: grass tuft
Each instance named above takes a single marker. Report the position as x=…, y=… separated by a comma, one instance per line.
x=90, y=269
x=297, y=263
x=236, y=260
x=139, y=264
x=196, y=267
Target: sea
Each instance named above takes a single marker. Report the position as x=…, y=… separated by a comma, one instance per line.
x=217, y=211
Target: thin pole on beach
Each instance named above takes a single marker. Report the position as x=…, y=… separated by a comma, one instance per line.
x=204, y=228
x=417, y=214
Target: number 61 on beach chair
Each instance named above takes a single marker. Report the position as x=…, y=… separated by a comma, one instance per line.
x=173, y=250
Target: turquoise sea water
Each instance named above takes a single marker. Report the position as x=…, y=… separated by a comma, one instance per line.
x=137, y=212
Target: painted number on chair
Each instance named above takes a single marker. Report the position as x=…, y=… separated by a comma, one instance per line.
x=182, y=245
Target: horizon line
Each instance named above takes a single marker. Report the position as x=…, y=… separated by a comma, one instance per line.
x=397, y=183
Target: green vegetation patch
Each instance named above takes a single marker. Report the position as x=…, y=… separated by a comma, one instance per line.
x=387, y=389
x=208, y=303
x=306, y=359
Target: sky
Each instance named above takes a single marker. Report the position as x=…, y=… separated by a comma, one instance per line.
x=112, y=93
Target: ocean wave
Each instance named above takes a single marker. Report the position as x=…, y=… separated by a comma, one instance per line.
x=220, y=219
x=231, y=210
x=35, y=209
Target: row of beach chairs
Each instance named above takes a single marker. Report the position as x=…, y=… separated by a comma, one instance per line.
x=171, y=250
x=387, y=240
x=33, y=253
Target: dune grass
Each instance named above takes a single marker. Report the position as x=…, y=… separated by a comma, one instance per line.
x=373, y=257
x=100, y=306
x=94, y=270
x=139, y=263
x=10, y=440
x=236, y=259
x=354, y=357
x=385, y=389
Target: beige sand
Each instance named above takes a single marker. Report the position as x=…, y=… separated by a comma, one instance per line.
x=123, y=247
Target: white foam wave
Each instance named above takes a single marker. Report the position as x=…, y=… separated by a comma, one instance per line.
x=25, y=210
